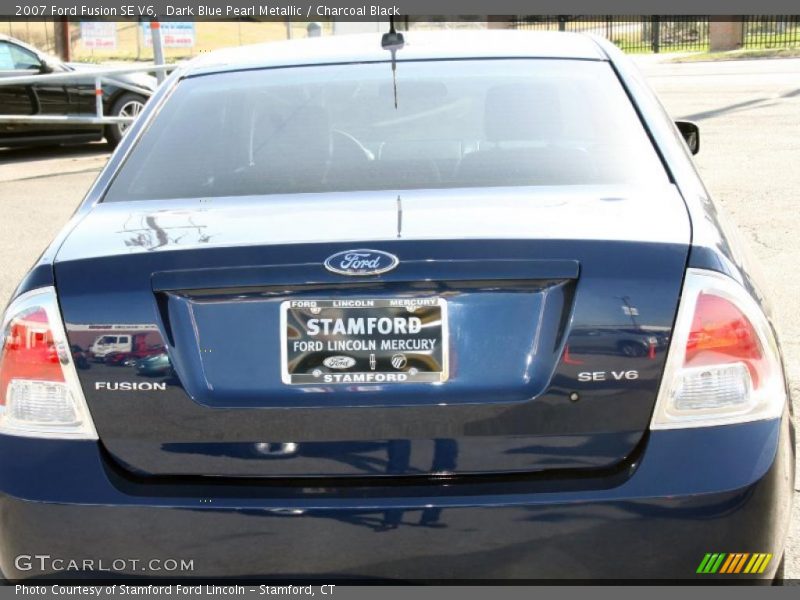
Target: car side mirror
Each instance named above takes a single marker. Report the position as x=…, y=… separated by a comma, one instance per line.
x=691, y=133
x=44, y=68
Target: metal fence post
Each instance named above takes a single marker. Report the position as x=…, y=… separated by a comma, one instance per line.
x=656, y=34
x=98, y=97
x=158, y=48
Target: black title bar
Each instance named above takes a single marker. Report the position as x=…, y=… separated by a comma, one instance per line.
x=375, y=9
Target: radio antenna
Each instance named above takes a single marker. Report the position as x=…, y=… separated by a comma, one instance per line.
x=393, y=41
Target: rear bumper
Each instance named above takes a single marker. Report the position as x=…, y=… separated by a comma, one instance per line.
x=724, y=489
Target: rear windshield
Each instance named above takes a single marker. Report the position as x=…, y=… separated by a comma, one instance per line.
x=444, y=124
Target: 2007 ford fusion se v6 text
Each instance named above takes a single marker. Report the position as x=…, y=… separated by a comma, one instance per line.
x=434, y=306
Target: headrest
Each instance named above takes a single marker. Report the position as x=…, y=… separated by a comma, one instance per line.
x=522, y=112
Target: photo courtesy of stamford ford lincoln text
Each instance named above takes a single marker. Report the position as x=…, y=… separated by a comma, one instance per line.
x=313, y=299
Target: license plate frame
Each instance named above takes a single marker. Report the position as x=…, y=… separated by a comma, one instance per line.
x=417, y=353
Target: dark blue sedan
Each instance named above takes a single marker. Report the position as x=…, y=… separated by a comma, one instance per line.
x=454, y=307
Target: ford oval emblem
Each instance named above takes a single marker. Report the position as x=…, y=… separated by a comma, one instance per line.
x=339, y=362
x=361, y=262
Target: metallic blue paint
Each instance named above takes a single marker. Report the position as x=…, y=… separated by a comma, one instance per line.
x=686, y=493
x=505, y=408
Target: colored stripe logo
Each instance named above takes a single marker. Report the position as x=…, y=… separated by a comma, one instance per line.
x=734, y=563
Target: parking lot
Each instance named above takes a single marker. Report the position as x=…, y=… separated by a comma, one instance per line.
x=749, y=115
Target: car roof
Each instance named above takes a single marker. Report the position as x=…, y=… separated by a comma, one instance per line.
x=8, y=38
x=419, y=45
x=13, y=40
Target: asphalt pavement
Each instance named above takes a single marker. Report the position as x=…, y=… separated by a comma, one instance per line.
x=749, y=117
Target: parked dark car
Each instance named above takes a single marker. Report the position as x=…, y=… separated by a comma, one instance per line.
x=157, y=365
x=79, y=357
x=366, y=275
x=631, y=341
x=62, y=98
x=117, y=359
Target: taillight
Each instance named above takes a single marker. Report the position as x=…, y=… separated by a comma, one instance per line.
x=40, y=395
x=723, y=365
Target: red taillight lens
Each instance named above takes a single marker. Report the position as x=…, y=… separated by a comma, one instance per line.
x=722, y=334
x=29, y=352
x=40, y=395
x=723, y=364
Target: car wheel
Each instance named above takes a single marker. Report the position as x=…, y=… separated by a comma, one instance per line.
x=127, y=105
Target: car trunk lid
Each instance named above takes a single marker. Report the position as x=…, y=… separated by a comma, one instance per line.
x=554, y=310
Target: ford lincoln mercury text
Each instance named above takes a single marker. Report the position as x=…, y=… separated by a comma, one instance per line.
x=434, y=306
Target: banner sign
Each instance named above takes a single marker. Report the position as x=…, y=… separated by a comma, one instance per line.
x=99, y=35
x=174, y=34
